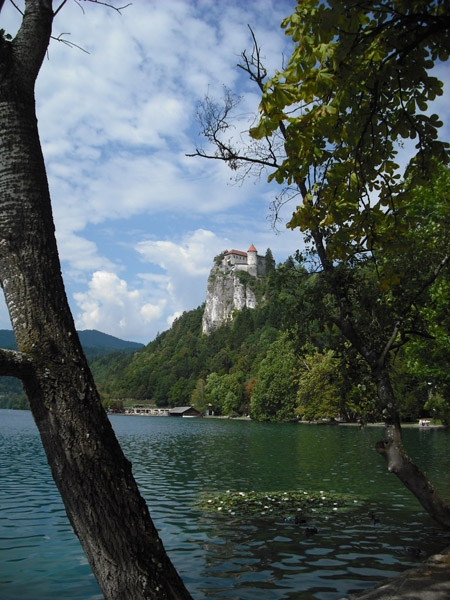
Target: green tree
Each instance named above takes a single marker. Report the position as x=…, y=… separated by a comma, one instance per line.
x=438, y=406
x=269, y=262
x=319, y=386
x=233, y=400
x=274, y=395
x=221, y=362
x=225, y=392
x=332, y=123
x=180, y=393
x=198, y=396
x=214, y=392
x=94, y=478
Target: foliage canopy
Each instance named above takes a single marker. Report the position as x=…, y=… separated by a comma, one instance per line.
x=354, y=93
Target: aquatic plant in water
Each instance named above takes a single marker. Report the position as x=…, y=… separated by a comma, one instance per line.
x=287, y=505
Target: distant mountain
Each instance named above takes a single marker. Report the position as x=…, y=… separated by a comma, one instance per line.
x=95, y=343
x=92, y=337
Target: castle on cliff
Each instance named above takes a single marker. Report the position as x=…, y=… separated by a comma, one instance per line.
x=226, y=292
x=249, y=261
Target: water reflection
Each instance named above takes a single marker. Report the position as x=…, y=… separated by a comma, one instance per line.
x=220, y=556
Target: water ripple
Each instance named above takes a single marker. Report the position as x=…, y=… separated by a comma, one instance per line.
x=220, y=556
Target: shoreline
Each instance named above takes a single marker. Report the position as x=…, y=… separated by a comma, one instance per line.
x=312, y=423
x=403, y=425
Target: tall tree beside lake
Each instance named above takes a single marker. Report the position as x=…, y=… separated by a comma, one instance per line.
x=94, y=478
x=274, y=394
x=355, y=91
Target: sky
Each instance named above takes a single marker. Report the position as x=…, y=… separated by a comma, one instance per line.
x=138, y=223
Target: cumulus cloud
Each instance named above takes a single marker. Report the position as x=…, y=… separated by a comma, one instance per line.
x=155, y=300
x=151, y=304
x=110, y=306
x=192, y=256
x=81, y=255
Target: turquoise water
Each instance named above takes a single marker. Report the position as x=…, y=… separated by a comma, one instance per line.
x=221, y=556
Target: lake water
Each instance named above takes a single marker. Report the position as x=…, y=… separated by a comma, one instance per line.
x=176, y=461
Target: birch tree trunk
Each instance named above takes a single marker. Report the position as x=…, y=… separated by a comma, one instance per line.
x=95, y=480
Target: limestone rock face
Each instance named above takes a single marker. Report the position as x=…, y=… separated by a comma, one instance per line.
x=225, y=293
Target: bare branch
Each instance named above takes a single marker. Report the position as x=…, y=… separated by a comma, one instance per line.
x=217, y=125
x=217, y=122
x=108, y=4
x=72, y=44
x=59, y=8
x=279, y=202
x=253, y=66
x=243, y=154
x=67, y=42
x=15, y=6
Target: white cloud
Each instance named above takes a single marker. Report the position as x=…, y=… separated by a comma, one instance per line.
x=81, y=255
x=186, y=266
x=156, y=299
x=110, y=306
x=192, y=256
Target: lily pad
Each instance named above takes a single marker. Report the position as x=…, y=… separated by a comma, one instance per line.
x=289, y=505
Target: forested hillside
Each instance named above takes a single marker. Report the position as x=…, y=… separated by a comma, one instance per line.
x=280, y=361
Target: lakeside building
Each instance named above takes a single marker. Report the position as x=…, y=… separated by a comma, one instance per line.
x=151, y=411
x=144, y=409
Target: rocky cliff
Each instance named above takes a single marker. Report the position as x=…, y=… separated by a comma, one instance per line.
x=228, y=290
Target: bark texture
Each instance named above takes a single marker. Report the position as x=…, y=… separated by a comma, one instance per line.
x=95, y=480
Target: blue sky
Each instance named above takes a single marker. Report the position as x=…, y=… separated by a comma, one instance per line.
x=137, y=222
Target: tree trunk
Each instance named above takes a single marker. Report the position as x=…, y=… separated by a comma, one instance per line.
x=398, y=461
x=391, y=447
x=95, y=480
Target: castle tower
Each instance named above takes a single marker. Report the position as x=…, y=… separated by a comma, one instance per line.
x=252, y=261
